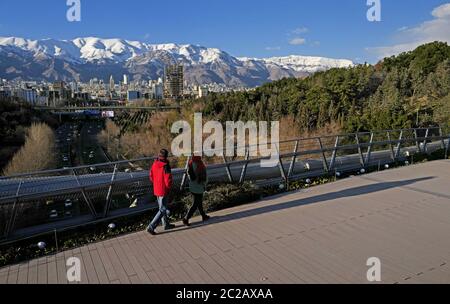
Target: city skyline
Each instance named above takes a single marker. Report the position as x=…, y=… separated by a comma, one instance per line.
x=258, y=29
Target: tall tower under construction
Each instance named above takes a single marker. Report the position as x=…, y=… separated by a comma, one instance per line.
x=174, y=81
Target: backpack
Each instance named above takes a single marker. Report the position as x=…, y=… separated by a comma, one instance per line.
x=194, y=177
x=191, y=173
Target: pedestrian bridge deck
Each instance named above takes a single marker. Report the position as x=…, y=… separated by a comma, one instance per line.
x=324, y=234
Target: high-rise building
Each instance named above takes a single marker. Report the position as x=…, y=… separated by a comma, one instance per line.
x=58, y=93
x=112, y=85
x=28, y=95
x=158, y=91
x=202, y=91
x=73, y=86
x=125, y=79
x=174, y=81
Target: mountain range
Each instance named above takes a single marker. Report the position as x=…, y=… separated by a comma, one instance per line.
x=84, y=58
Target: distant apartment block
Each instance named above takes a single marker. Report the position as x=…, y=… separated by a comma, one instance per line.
x=28, y=95
x=5, y=94
x=81, y=96
x=133, y=95
x=202, y=91
x=58, y=92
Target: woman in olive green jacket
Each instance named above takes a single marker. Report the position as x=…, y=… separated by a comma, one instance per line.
x=197, y=186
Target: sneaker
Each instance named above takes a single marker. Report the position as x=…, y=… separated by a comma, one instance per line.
x=151, y=230
x=169, y=227
x=206, y=218
x=186, y=222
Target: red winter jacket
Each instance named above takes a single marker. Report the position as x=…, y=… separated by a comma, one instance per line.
x=161, y=177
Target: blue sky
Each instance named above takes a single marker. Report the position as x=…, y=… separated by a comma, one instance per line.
x=252, y=28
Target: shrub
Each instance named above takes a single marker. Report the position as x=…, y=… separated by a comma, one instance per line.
x=220, y=197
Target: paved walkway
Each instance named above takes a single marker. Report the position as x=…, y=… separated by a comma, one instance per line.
x=322, y=235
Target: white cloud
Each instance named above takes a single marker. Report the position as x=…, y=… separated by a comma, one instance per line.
x=300, y=30
x=408, y=38
x=294, y=36
x=442, y=11
x=273, y=48
x=403, y=28
x=297, y=41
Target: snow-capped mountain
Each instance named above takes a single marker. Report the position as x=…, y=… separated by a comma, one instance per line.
x=84, y=58
x=307, y=63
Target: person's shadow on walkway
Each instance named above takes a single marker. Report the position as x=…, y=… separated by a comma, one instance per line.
x=323, y=198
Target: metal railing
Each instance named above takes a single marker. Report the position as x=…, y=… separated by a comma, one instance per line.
x=49, y=200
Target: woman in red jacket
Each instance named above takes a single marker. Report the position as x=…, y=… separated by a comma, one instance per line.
x=161, y=178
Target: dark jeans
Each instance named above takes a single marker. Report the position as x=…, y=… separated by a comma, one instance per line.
x=198, y=204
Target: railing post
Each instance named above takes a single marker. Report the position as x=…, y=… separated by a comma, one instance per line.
x=109, y=195
x=282, y=171
x=324, y=157
x=391, y=147
x=425, y=142
x=416, y=136
x=244, y=167
x=369, y=149
x=227, y=168
x=294, y=158
x=441, y=135
x=333, y=157
x=12, y=219
x=83, y=192
x=361, y=156
x=185, y=174
x=399, y=145
x=447, y=147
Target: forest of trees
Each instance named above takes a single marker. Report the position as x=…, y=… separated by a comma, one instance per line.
x=408, y=90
